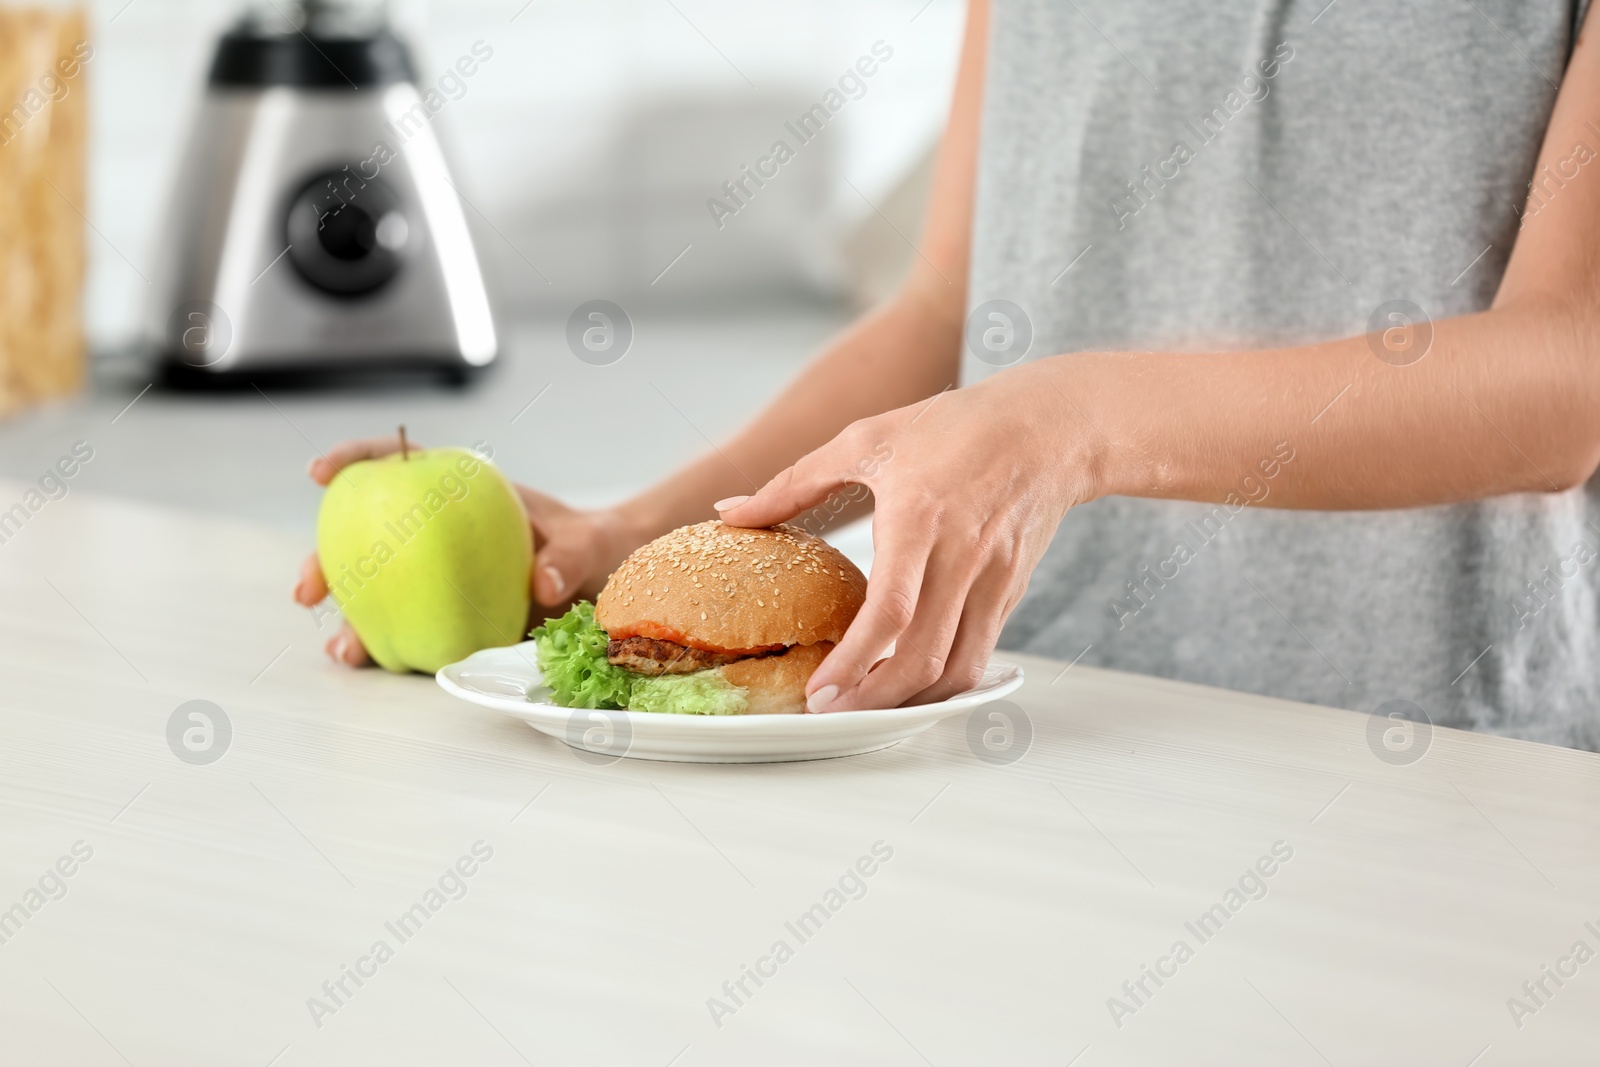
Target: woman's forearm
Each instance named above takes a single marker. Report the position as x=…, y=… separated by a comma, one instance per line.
x=1504, y=401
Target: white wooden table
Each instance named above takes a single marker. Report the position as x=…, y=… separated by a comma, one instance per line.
x=619, y=899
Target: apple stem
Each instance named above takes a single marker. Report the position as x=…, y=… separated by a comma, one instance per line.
x=405, y=449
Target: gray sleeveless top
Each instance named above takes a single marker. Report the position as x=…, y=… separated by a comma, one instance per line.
x=1189, y=175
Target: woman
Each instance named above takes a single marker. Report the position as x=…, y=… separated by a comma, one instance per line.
x=1276, y=371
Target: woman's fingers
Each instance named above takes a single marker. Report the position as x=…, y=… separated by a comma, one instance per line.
x=806, y=484
x=988, y=601
x=324, y=467
x=559, y=571
x=310, y=588
x=893, y=593
x=922, y=650
x=346, y=648
x=564, y=547
x=556, y=567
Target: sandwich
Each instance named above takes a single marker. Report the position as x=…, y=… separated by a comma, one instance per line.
x=707, y=620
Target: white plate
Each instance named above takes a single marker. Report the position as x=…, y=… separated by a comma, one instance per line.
x=508, y=680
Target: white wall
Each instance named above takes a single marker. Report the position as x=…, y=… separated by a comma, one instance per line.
x=591, y=140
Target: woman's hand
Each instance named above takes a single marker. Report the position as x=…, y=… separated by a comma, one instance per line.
x=974, y=484
x=576, y=550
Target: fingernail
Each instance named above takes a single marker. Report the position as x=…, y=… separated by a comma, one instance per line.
x=729, y=503
x=822, y=698
x=299, y=592
x=553, y=578
x=336, y=647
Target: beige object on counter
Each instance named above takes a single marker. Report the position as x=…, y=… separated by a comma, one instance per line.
x=43, y=120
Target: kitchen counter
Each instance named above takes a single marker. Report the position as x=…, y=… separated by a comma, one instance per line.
x=934, y=906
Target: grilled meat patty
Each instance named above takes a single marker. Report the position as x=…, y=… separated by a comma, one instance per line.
x=646, y=655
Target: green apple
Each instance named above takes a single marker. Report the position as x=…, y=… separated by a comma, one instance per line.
x=428, y=554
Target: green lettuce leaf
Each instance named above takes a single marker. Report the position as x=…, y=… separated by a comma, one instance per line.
x=571, y=652
x=572, y=657
x=700, y=693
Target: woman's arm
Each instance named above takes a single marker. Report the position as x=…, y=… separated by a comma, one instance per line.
x=1506, y=400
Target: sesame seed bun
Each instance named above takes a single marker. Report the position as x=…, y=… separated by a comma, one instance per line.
x=731, y=589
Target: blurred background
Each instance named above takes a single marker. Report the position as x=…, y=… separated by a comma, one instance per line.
x=585, y=149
